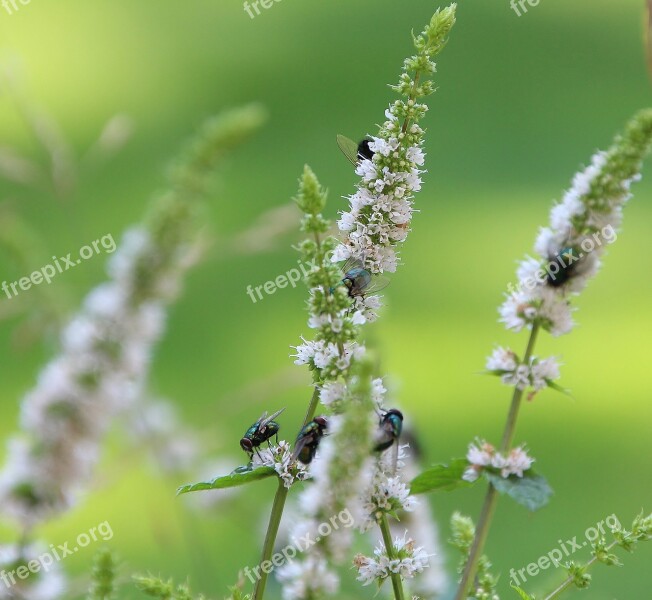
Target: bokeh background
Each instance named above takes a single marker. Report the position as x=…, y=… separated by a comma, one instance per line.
x=522, y=103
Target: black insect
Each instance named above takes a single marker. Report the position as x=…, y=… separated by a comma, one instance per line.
x=354, y=152
x=261, y=431
x=562, y=267
x=308, y=440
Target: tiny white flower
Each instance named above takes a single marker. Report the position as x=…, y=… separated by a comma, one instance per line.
x=502, y=359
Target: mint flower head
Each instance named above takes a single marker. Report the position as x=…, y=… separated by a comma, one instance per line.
x=581, y=225
x=381, y=209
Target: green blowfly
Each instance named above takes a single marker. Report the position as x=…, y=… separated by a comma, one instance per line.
x=261, y=431
x=389, y=432
x=308, y=440
x=359, y=281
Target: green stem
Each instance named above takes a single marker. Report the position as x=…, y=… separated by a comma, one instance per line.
x=489, y=506
x=397, y=584
x=277, y=509
x=270, y=538
x=568, y=581
x=517, y=397
x=312, y=407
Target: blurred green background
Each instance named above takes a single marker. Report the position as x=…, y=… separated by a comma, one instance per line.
x=522, y=103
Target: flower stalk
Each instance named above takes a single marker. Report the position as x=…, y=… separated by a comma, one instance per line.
x=270, y=536
x=569, y=250
x=491, y=497
x=397, y=584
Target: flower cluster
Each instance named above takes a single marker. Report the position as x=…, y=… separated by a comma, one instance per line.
x=581, y=225
x=100, y=371
x=537, y=374
x=378, y=220
x=105, y=350
x=330, y=354
x=387, y=492
x=327, y=358
x=280, y=458
x=381, y=209
x=309, y=578
x=483, y=455
x=408, y=562
x=343, y=464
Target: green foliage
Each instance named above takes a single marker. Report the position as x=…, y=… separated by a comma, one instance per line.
x=311, y=198
x=441, y=478
x=103, y=576
x=165, y=590
x=531, y=490
x=239, y=476
x=578, y=575
x=522, y=593
x=623, y=164
x=219, y=135
x=463, y=534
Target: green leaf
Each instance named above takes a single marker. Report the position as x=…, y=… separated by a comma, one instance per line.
x=531, y=490
x=559, y=388
x=522, y=593
x=441, y=478
x=240, y=476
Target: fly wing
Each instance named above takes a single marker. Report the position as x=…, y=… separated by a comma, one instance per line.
x=299, y=445
x=379, y=282
x=262, y=419
x=384, y=435
x=352, y=263
x=349, y=148
x=265, y=419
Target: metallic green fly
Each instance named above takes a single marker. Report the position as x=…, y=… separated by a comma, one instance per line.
x=359, y=281
x=389, y=429
x=261, y=431
x=389, y=432
x=308, y=440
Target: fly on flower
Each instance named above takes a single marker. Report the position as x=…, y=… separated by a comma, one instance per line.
x=354, y=152
x=359, y=281
x=308, y=440
x=261, y=431
x=389, y=431
x=565, y=265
